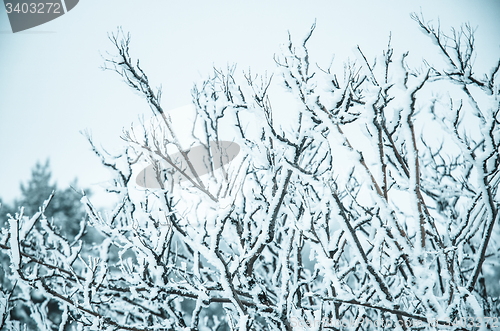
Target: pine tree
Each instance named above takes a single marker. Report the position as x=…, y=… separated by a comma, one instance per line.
x=37, y=189
x=65, y=209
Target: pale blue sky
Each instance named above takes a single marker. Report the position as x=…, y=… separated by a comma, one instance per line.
x=51, y=86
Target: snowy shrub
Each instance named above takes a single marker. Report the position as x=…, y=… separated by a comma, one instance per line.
x=375, y=206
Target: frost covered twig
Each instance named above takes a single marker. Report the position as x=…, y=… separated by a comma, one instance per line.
x=376, y=200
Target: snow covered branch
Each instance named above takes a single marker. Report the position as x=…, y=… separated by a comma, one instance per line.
x=373, y=198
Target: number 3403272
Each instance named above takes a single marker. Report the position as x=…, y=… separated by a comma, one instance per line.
x=34, y=8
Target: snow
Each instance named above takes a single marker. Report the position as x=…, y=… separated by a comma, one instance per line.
x=302, y=212
x=15, y=253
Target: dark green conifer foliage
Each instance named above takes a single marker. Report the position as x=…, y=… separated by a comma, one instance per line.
x=65, y=209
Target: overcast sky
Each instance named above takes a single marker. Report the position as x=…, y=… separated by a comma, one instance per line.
x=52, y=87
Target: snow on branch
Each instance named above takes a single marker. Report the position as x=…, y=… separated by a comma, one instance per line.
x=377, y=201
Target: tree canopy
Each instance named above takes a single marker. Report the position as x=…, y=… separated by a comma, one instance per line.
x=376, y=206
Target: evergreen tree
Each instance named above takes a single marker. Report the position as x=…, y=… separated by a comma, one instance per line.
x=5, y=209
x=37, y=189
x=65, y=209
